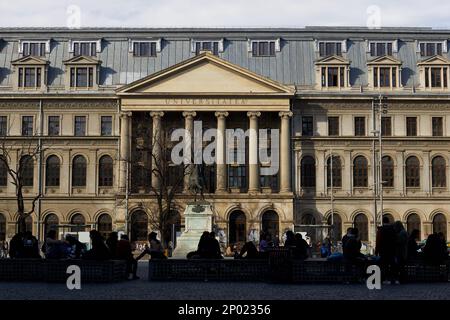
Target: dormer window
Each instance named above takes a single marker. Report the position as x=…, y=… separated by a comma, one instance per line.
x=30, y=73
x=264, y=48
x=86, y=48
x=333, y=73
x=382, y=48
x=144, y=47
x=215, y=46
x=82, y=73
x=434, y=73
x=34, y=48
x=331, y=48
x=429, y=49
x=384, y=73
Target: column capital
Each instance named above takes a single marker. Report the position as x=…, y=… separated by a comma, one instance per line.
x=253, y=114
x=285, y=114
x=126, y=114
x=156, y=114
x=190, y=114
x=221, y=114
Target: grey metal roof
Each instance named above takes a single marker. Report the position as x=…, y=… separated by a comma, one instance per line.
x=293, y=65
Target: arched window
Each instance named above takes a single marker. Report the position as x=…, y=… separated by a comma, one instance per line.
x=104, y=225
x=413, y=222
x=139, y=226
x=308, y=219
x=79, y=165
x=105, y=171
x=360, y=172
x=28, y=224
x=2, y=227
x=308, y=170
x=387, y=171
x=79, y=222
x=440, y=224
x=27, y=171
x=3, y=171
x=237, y=227
x=390, y=217
x=270, y=223
x=52, y=168
x=50, y=223
x=439, y=176
x=412, y=172
x=362, y=224
x=337, y=172
x=336, y=231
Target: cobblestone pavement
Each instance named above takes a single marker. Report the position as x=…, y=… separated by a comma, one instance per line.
x=143, y=289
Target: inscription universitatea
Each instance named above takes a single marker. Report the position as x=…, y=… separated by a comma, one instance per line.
x=206, y=101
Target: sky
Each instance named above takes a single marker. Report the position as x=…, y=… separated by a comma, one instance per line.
x=224, y=13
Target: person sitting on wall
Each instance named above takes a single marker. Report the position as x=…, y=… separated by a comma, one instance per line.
x=154, y=249
x=433, y=252
x=213, y=246
x=111, y=242
x=290, y=239
x=99, y=249
x=352, y=248
x=301, y=247
x=76, y=248
x=15, y=245
x=248, y=251
x=52, y=247
x=202, y=248
x=124, y=252
x=30, y=248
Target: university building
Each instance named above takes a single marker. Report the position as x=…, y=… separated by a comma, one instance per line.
x=95, y=99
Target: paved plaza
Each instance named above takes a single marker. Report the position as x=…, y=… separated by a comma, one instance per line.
x=143, y=289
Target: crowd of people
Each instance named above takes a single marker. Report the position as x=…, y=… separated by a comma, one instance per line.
x=25, y=245
x=395, y=248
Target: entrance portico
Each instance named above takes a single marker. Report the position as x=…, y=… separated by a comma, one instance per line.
x=206, y=86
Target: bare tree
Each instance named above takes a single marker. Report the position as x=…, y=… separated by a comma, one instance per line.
x=27, y=150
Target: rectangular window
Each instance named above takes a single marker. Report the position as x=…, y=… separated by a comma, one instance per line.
x=144, y=49
x=106, y=125
x=360, y=126
x=333, y=126
x=27, y=125
x=237, y=176
x=378, y=49
x=85, y=49
x=428, y=49
x=385, y=77
x=36, y=49
x=29, y=77
x=436, y=79
x=330, y=48
x=3, y=125
x=81, y=77
x=411, y=126
x=80, y=126
x=333, y=78
x=263, y=48
x=437, y=126
x=307, y=126
x=212, y=46
x=53, y=126
x=386, y=126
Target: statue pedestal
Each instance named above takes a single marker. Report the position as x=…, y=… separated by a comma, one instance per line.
x=198, y=219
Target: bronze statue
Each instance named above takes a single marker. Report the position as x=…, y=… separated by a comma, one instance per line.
x=197, y=181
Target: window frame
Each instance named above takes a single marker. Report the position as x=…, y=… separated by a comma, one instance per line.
x=415, y=130
x=106, y=134
x=375, y=45
x=52, y=172
x=25, y=47
x=48, y=125
x=85, y=125
x=333, y=131
x=412, y=181
x=307, y=133
x=25, y=131
x=273, y=46
x=356, y=131
x=139, y=52
x=4, y=125
x=77, y=180
x=74, y=77
x=360, y=174
x=439, y=177
x=437, y=131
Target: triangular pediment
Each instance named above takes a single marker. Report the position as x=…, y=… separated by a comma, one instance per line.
x=82, y=60
x=29, y=60
x=434, y=60
x=205, y=74
x=384, y=60
x=332, y=60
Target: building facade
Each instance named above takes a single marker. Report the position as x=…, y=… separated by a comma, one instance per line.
x=96, y=99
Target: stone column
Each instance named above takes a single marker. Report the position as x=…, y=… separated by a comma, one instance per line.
x=221, y=166
x=124, y=149
x=189, y=140
x=285, y=153
x=156, y=145
x=253, y=181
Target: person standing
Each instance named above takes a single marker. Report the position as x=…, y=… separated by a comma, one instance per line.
x=386, y=249
x=401, y=249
